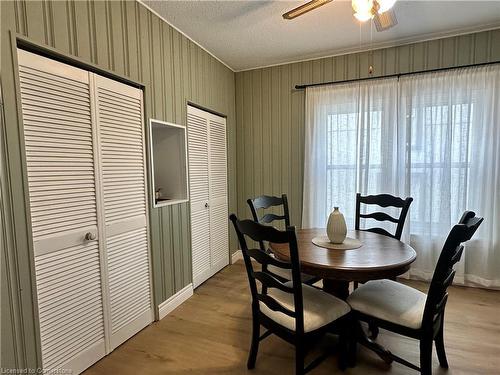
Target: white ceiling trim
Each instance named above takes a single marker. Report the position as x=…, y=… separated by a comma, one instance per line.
x=183, y=33
x=363, y=48
x=375, y=46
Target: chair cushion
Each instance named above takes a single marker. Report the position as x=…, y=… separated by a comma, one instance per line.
x=390, y=301
x=320, y=308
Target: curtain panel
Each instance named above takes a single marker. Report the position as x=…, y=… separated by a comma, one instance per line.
x=432, y=136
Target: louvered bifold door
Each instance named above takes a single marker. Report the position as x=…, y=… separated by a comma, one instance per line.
x=123, y=180
x=218, y=202
x=199, y=195
x=57, y=123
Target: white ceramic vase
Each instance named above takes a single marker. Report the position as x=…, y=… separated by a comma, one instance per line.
x=336, y=228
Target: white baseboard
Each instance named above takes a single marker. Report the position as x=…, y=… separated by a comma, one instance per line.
x=166, y=307
x=237, y=255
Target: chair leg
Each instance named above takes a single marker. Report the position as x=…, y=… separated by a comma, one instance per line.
x=353, y=352
x=344, y=349
x=439, y=339
x=299, y=359
x=351, y=341
x=426, y=357
x=254, y=348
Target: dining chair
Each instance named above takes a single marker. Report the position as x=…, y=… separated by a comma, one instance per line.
x=410, y=312
x=383, y=200
x=295, y=312
x=265, y=202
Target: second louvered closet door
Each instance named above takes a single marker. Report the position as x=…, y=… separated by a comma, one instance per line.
x=208, y=193
x=123, y=186
x=199, y=195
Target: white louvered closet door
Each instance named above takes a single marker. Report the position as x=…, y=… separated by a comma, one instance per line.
x=199, y=194
x=218, y=203
x=59, y=144
x=123, y=180
x=208, y=193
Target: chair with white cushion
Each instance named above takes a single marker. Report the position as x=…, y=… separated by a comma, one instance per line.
x=265, y=202
x=296, y=312
x=409, y=312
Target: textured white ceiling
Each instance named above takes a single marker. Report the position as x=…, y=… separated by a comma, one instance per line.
x=250, y=34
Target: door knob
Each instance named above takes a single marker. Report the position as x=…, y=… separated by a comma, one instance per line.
x=206, y=205
x=89, y=236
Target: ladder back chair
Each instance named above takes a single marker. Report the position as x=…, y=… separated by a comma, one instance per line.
x=296, y=312
x=265, y=202
x=383, y=200
x=409, y=312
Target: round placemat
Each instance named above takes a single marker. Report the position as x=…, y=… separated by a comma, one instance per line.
x=348, y=244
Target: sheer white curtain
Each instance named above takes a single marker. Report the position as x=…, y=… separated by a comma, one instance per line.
x=450, y=122
x=435, y=137
x=350, y=146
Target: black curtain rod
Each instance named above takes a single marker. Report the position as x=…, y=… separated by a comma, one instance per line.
x=302, y=87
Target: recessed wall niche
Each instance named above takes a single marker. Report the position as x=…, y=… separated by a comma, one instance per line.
x=168, y=153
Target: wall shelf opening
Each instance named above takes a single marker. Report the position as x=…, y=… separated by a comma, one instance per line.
x=168, y=152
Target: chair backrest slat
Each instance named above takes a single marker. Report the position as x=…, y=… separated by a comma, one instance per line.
x=267, y=279
x=444, y=272
x=265, y=202
x=262, y=232
x=383, y=200
x=449, y=279
x=379, y=216
x=270, y=281
x=266, y=259
x=269, y=218
x=458, y=254
x=441, y=305
x=381, y=231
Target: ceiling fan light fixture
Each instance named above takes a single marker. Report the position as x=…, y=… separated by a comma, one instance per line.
x=363, y=9
x=304, y=8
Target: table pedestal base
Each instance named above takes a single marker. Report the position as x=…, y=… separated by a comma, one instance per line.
x=338, y=288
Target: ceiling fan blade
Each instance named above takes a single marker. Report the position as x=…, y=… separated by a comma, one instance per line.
x=307, y=7
x=385, y=20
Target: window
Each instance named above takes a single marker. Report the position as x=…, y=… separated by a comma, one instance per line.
x=342, y=155
x=439, y=162
x=434, y=137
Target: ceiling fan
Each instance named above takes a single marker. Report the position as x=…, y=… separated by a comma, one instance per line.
x=379, y=10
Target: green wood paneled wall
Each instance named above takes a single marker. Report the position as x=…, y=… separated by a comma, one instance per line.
x=270, y=113
x=126, y=38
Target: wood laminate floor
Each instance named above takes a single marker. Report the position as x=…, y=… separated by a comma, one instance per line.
x=210, y=334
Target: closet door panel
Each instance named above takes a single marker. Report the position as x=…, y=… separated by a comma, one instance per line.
x=199, y=194
x=123, y=181
x=59, y=143
x=69, y=300
x=219, y=243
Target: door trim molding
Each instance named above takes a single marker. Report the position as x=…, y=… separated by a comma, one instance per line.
x=166, y=307
x=202, y=108
x=27, y=44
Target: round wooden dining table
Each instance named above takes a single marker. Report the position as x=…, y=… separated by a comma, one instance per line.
x=379, y=257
